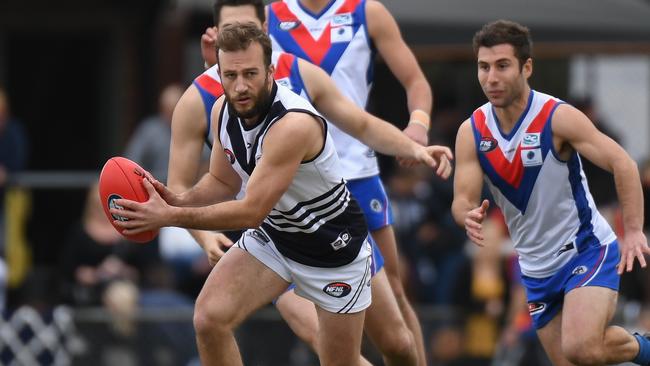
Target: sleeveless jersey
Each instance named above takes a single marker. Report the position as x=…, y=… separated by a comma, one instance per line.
x=316, y=222
x=209, y=85
x=337, y=40
x=546, y=202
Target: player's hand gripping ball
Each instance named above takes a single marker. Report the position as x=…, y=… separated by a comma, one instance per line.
x=122, y=178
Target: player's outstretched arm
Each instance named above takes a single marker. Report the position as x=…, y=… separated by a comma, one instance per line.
x=372, y=131
x=467, y=208
x=401, y=61
x=573, y=130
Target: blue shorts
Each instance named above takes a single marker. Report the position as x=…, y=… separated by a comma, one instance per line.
x=596, y=266
x=372, y=198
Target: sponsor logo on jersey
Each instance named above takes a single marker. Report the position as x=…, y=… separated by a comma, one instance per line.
x=112, y=204
x=342, y=19
x=375, y=205
x=286, y=82
x=337, y=289
x=565, y=248
x=289, y=25
x=341, y=34
x=579, y=270
x=370, y=153
x=530, y=140
x=229, y=155
x=531, y=157
x=487, y=144
x=259, y=236
x=536, y=307
x=342, y=241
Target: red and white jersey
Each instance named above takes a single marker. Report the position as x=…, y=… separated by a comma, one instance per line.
x=336, y=40
x=546, y=201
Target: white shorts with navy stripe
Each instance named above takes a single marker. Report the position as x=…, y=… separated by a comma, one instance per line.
x=344, y=289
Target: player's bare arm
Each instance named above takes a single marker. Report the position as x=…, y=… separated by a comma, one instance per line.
x=401, y=61
x=467, y=208
x=188, y=130
x=573, y=130
x=270, y=179
x=372, y=131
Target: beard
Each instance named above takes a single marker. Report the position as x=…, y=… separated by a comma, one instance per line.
x=259, y=102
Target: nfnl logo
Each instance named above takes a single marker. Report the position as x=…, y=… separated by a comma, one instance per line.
x=487, y=144
x=337, y=289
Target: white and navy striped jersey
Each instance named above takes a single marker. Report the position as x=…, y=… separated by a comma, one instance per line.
x=336, y=40
x=316, y=222
x=546, y=201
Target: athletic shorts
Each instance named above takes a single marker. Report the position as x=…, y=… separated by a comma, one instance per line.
x=376, y=265
x=344, y=289
x=596, y=266
x=372, y=198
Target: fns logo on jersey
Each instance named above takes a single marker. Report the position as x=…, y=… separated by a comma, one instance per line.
x=487, y=144
x=289, y=25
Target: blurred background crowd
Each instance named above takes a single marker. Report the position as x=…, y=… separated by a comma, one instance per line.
x=81, y=81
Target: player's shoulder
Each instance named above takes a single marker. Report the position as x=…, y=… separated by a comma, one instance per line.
x=376, y=9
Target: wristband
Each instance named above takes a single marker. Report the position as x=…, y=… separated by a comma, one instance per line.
x=418, y=122
x=420, y=117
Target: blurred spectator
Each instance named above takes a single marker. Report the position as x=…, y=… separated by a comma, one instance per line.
x=149, y=145
x=185, y=257
x=13, y=158
x=428, y=237
x=95, y=255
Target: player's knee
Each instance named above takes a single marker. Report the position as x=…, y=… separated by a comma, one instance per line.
x=398, y=344
x=208, y=321
x=580, y=353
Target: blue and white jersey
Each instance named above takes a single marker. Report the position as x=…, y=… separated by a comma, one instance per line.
x=316, y=222
x=210, y=89
x=546, y=201
x=336, y=40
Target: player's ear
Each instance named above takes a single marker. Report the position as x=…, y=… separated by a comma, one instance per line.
x=528, y=68
x=265, y=27
x=271, y=70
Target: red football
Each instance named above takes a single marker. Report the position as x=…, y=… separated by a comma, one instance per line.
x=122, y=178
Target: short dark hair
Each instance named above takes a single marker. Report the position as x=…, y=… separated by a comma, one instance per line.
x=239, y=36
x=505, y=32
x=257, y=4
